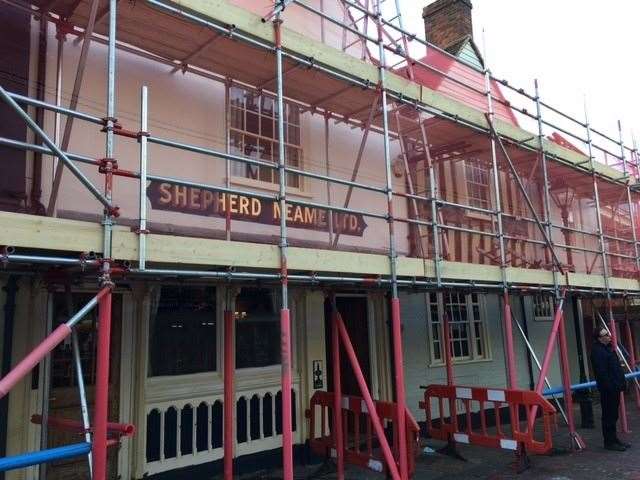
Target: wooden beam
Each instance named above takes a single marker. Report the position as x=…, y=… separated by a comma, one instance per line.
x=58, y=235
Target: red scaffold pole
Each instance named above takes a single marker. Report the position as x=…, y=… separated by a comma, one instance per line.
x=548, y=354
x=101, y=412
x=632, y=349
x=400, y=387
x=287, y=427
x=337, y=394
x=566, y=383
x=364, y=390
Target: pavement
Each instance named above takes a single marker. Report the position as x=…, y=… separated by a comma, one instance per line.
x=593, y=463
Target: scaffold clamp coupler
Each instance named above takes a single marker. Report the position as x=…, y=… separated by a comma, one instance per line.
x=109, y=122
x=113, y=211
x=229, y=273
x=4, y=255
x=105, y=277
x=63, y=28
x=83, y=260
x=107, y=165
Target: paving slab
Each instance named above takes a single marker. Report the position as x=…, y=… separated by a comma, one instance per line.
x=594, y=463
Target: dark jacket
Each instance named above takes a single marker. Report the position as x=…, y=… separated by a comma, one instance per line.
x=607, y=369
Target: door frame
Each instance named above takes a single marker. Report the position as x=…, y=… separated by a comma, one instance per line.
x=44, y=298
x=373, y=341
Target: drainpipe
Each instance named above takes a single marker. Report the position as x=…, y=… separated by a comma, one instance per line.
x=582, y=396
x=35, y=204
x=525, y=327
x=5, y=366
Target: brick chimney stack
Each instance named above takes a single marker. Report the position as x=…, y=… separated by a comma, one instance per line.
x=447, y=22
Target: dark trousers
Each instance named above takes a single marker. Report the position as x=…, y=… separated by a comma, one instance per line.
x=610, y=403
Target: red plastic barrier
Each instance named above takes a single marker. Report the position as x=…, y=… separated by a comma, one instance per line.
x=359, y=442
x=484, y=399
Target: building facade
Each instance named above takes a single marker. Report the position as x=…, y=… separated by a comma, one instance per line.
x=466, y=225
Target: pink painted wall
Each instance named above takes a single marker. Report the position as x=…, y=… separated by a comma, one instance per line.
x=190, y=109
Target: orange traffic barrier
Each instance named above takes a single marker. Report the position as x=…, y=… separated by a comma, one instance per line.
x=360, y=443
x=467, y=402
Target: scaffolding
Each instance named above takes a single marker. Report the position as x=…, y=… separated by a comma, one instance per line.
x=531, y=215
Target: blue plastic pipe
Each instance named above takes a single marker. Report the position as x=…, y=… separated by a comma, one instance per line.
x=44, y=456
x=583, y=386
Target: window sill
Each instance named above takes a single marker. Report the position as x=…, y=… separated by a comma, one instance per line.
x=266, y=186
x=485, y=217
x=461, y=362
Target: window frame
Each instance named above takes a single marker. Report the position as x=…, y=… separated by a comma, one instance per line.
x=218, y=298
x=276, y=367
x=549, y=305
x=472, y=338
x=476, y=164
x=256, y=181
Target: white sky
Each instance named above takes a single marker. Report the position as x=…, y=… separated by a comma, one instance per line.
x=574, y=48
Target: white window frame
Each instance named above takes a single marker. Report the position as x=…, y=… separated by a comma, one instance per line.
x=543, y=306
x=235, y=174
x=472, y=163
x=474, y=354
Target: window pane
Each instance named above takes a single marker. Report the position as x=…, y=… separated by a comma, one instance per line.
x=236, y=148
x=253, y=123
x=267, y=174
x=182, y=331
x=236, y=118
x=293, y=134
x=252, y=101
x=268, y=106
x=266, y=152
x=293, y=160
x=457, y=350
x=257, y=328
x=292, y=114
x=236, y=97
x=266, y=127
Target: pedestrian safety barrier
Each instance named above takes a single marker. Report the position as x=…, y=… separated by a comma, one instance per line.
x=467, y=404
x=360, y=442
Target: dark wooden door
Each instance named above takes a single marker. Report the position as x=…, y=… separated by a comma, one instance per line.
x=64, y=400
x=354, y=314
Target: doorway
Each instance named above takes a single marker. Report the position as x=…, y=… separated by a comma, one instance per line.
x=64, y=400
x=355, y=315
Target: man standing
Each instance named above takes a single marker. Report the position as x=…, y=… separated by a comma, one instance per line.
x=610, y=380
